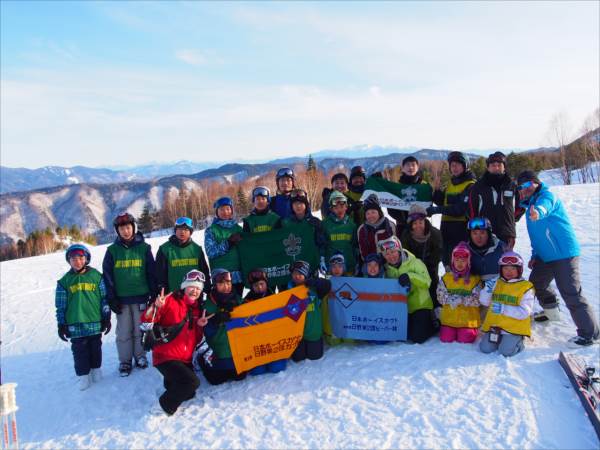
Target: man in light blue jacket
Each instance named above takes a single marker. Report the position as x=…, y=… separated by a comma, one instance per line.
x=555, y=256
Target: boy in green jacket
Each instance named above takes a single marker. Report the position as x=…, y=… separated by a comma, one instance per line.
x=340, y=232
x=82, y=314
x=412, y=274
x=261, y=218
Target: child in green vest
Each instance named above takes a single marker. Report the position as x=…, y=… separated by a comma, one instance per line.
x=220, y=240
x=340, y=232
x=180, y=254
x=337, y=268
x=311, y=345
x=82, y=314
x=261, y=219
x=130, y=277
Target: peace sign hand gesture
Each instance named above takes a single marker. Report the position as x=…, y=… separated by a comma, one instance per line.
x=202, y=321
x=160, y=300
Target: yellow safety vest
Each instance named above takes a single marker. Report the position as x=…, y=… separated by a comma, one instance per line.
x=454, y=190
x=460, y=316
x=508, y=294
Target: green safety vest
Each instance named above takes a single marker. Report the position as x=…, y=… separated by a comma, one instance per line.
x=231, y=259
x=84, y=301
x=129, y=270
x=180, y=260
x=340, y=238
x=259, y=223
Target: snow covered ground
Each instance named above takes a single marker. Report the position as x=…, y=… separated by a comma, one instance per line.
x=393, y=396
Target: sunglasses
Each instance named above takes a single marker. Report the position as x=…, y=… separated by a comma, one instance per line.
x=184, y=221
x=479, y=223
x=509, y=261
x=525, y=185
x=195, y=275
x=285, y=172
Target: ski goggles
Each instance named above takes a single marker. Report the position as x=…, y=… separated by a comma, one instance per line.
x=510, y=261
x=479, y=223
x=262, y=191
x=184, y=222
x=299, y=193
x=285, y=172
x=223, y=201
x=76, y=252
x=525, y=185
x=194, y=275
x=123, y=219
x=388, y=244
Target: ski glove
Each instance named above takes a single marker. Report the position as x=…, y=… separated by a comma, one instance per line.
x=404, y=281
x=114, y=306
x=63, y=332
x=234, y=239
x=433, y=210
x=106, y=326
x=323, y=266
x=497, y=308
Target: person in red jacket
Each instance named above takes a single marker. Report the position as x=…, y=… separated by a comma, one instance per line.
x=179, y=319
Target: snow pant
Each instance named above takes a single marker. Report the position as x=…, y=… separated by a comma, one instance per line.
x=272, y=367
x=507, y=345
x=462, y=335
x=87, y=353
x=180, y=383
x=218, y=376
x=566, y=274
x=420, y=326
x=308, y=350
x=129, y=335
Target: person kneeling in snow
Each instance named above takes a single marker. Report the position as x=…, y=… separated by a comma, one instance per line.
x=510, y=302
x=178, y=320
x=82, y=313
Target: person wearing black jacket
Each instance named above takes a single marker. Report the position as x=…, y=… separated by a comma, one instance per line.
x=410, y=175
x=453, y=203
x=495, y=197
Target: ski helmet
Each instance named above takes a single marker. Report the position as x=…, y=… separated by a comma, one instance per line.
x=285, y=172
x=496, y=157
x=358, y=171
x=218, y=275
x=184, y=222
x=123, y=219
x=337, y=197
x=257, y=275
x=222, y=201
x=263, y=191
x=391, y=243
x=511, y=258
x=458, y=157
x=479, y=223
x=337, y=258
x=300, y=266
x=78, y=249
x=461, y=251
x=299, y=195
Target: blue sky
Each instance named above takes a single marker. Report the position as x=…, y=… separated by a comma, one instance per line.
x=130, y=82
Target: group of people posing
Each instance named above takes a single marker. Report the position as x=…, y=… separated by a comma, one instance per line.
x=185, y=301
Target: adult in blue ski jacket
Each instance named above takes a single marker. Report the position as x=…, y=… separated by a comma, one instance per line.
x=555, y=256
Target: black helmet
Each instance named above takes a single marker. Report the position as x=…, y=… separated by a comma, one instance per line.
x=496, y=157
x=123, y=219
x=459, y=158
x=285, y=172
x=358, y=171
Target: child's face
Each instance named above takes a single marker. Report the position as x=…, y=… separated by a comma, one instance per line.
x=260, y=203
x=285, y=184
x=224, y=212
x=456, y=168
x=373, y=268
x=259, y=287
x=357, y=181
x=183, y=234
x=339, y=209
x=297, y=278
x=392, y=256
x=224, y=286
x=510, y=272
x=77, y=262
x=460, y=263
x=299, y=209
x=339, y=184
x=418, y=227
x=337, y=270
x=126, y=231
x=371, y=216
x=410, y=168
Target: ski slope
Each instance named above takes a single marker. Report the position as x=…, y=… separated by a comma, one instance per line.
x=392, y=396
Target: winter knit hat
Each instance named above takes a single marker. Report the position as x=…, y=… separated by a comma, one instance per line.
x=193, y=278
x=372, y=202
x=337, y=258
x=461, y=251
x=416, y=212
x=458, y=157
x=338, y=176
x=218, y=275
x=528, y=175
x=301, y=267
x=496, y=157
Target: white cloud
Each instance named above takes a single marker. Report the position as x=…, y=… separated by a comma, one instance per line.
x=190, y=56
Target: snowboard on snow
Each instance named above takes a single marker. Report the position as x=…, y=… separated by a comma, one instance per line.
x=586, y=381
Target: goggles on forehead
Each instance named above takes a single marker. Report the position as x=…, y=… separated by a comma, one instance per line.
x=285, y=172
x=194, y=275
x=479, y=223
x=510, y=261
x=262, y=191
x=184, y=221
x=388, y=245
x=298, y=193
x=525, y=185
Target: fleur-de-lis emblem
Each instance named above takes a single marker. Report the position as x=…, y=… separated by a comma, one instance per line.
x=409, y=194
x=292, y=245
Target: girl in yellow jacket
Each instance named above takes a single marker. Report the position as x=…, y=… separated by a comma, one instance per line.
x=458, y=293
x=510, y=302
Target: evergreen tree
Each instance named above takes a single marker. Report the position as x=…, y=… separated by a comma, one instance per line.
x=311, y=166
x=146, y=222
x=243, y=205
x=478, y=167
